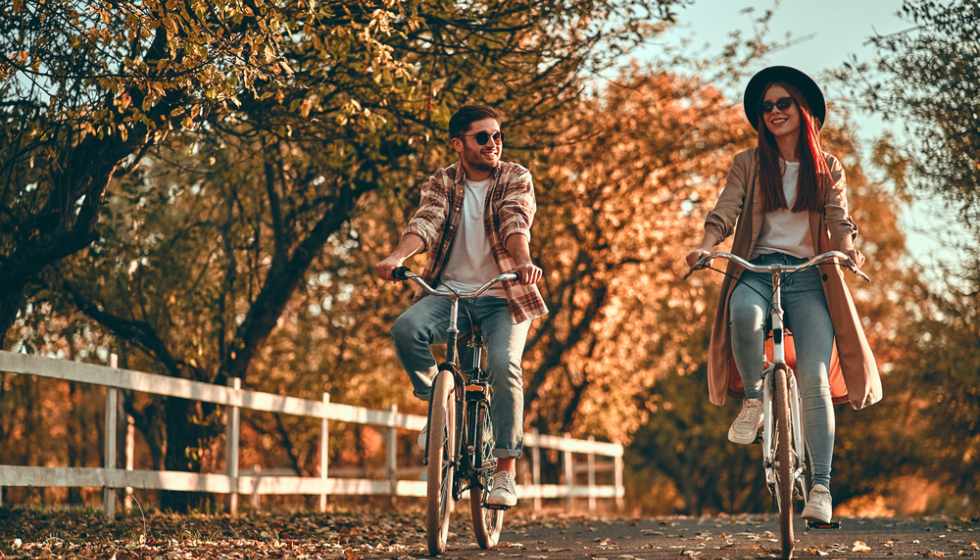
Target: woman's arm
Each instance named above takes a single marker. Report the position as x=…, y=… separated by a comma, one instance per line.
x=841, y=227
x=843, y=230
x=721, y=220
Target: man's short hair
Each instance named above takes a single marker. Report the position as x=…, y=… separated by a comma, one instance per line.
x=468, y=114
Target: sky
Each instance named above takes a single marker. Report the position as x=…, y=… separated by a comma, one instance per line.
x=834, y=31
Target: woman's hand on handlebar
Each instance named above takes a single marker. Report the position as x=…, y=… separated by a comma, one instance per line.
x=857, y=257
x=696, y=255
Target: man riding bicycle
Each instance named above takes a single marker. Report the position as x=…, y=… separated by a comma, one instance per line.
x=474, y=218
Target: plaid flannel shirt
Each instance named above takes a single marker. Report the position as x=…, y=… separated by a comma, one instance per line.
x=510, y=210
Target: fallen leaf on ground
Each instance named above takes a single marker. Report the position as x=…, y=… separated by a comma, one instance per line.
x=860, y=546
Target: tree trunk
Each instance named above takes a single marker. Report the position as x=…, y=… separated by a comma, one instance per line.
x=75, y=447
x=181, y=439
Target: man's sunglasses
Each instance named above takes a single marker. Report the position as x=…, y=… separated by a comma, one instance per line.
x=782, y=103
x=483, y=137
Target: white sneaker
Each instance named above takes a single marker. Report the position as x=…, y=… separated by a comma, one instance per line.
x=746, y=425
x=819, y=505
x=503, y=491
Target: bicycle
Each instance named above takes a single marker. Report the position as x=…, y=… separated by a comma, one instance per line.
x=785, y=460
x=459, y=442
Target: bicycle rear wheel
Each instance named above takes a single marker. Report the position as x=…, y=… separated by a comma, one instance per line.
x=442, y=446
x=784, y=459
x=487, y=523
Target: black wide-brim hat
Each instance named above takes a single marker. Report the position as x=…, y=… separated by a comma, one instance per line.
x=752, y=100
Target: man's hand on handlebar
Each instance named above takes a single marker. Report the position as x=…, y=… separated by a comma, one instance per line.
x=527, y=273
x=384, y=268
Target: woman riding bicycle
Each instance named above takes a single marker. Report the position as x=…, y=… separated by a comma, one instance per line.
x=795, y=206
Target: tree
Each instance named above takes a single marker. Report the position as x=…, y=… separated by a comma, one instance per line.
x=206, y=242
x=926, y=77
x=614, y=204
x=86, y=88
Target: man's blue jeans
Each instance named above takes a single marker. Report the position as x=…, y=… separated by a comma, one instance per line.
x=806, y=315
x=425, y=323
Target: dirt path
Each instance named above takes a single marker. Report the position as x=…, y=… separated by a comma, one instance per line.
x=372, y=533
x=726, y=537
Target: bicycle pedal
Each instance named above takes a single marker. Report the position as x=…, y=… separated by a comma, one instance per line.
x=812, y=524
x=496, y=507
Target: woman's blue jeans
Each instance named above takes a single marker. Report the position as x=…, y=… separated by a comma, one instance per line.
x=807, y=316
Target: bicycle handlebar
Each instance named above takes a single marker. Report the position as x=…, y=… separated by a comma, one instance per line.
x=403, y=273
x=704, y=261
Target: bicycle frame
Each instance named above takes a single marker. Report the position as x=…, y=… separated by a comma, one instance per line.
x=779, y=361
x=477, y=385
x=795, y=402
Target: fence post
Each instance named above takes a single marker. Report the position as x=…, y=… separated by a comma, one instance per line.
x=591, y=463
x=256, y=498
x=130, y=452
x=231, y=440
x=392, y=449
x=618, y=481
x=324, y=452
x=536, y=472
x=569, y=474
x=109, y=460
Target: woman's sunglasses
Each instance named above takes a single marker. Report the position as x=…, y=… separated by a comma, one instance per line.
x=782, y=103
x=483, y=137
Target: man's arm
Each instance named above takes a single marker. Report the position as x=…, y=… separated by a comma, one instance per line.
x=410, y=244
x=516, y=215
x=519, y=248
x=423, y=229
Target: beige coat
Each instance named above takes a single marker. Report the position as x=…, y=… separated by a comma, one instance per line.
x=854, y=374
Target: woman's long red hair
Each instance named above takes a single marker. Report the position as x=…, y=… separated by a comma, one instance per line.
x=814, y=172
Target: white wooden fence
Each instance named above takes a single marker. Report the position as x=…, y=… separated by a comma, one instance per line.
x=233, y=482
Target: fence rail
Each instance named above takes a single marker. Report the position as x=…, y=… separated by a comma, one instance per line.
x=234, y=483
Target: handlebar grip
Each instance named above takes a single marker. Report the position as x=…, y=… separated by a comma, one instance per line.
x=509, y=276
x=400, y=273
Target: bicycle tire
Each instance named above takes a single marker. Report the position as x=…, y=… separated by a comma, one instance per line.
x=784, y=453
x=440, y=470
x=487, y=523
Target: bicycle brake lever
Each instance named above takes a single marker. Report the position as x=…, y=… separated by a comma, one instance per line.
x=702, y=263
x=857, y=271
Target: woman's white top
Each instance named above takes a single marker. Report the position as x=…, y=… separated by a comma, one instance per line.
x=785, y=231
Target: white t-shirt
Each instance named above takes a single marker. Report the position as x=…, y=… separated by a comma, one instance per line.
x=471, y=264
x=785, y=231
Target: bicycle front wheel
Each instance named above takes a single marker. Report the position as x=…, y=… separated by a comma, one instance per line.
x=784, y=459
x=442, y=446
x=487, y=522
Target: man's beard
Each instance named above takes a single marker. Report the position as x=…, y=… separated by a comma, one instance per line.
x=477, y=163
